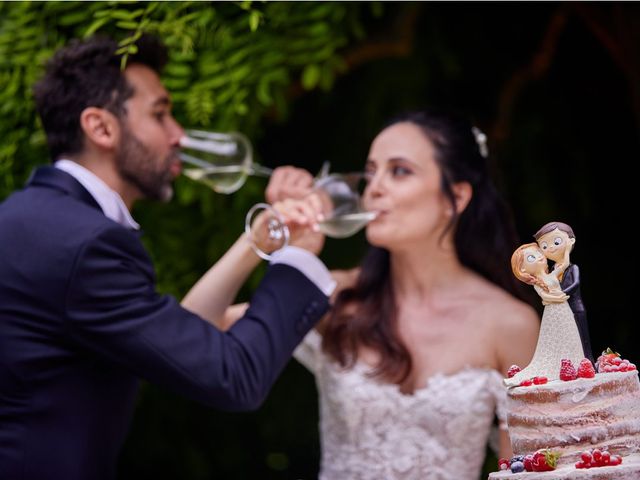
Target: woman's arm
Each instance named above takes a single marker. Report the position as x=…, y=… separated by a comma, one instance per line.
x=520, y=324
x=216, y=290
x=552, y=296
x=505, y=450
x=212, y=295
x=560, y=267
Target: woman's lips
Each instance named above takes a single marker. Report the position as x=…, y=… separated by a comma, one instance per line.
x=379, y=214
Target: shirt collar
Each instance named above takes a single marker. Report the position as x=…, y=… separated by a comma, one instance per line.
x=110, y=202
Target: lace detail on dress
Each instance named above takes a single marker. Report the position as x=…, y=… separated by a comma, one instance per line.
x=371, y=431
x=558, y=339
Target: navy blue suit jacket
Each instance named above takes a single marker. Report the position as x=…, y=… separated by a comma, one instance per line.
x=80, y=321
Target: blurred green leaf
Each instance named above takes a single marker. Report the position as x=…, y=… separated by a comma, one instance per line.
x=311, y=76
x=254, y=20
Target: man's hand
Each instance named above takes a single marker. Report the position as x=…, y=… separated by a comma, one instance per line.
x=288, y=182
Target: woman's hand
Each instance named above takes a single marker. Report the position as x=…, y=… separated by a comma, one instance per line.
x=302, y=217
x=288, y=182
x=548, y=298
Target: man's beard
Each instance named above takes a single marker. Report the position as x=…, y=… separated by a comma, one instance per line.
x=138, y=165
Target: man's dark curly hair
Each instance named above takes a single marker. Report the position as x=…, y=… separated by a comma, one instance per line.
x=87, y=74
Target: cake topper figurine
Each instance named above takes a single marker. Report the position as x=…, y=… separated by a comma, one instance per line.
x=558, y=338
x=556, y=239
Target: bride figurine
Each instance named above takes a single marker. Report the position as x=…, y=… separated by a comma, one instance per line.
x=559, y=337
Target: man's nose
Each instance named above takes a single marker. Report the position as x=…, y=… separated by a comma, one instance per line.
x=176, y=132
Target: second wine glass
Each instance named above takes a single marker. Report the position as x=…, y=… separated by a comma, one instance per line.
x=222, y=161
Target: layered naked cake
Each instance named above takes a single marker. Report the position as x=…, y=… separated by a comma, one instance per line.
x=573, y=417
x=564, y=420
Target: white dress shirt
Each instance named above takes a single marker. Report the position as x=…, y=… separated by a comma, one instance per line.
x=110, y=201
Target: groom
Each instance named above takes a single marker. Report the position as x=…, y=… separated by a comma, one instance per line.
x=80, y=318
x=556, y=239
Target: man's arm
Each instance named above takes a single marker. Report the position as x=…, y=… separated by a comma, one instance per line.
x=113, y=310
x=571, y=279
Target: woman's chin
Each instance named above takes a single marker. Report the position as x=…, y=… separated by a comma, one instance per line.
x=377, y=238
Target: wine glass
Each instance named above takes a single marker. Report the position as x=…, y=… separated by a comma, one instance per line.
x=340, y=196
x=222, y=161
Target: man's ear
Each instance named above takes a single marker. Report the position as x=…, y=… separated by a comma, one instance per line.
x=100, y=127
x=462, y=192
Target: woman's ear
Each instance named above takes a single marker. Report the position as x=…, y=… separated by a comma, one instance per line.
x=100, y=127
x=462, y=193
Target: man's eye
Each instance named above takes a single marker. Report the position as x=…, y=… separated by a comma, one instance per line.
x=159, y=115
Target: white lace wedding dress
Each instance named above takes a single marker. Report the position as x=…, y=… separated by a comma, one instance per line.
x=371, y=431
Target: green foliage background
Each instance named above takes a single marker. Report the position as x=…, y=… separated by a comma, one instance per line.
x=556, y=86
x=231, y=65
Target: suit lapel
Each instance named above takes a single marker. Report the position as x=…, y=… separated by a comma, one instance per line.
x=52, y=177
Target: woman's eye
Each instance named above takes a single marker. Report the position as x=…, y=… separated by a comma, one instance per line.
x=531, y=258
x=159, y=116
x=399, y=171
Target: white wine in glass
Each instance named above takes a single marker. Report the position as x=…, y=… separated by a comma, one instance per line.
x=344, y=226
x=340, y=197
x=222, y=161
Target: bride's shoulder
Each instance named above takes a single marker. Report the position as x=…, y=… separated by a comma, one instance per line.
x=510, y=319
x=506, y=310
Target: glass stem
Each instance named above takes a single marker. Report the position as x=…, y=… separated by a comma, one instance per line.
x=260, y=171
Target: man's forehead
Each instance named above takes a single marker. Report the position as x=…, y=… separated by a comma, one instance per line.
x=146, y=84
x=555, y=231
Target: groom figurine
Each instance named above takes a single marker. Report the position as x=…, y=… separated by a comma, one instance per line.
x=556, y=239
x=80, y=318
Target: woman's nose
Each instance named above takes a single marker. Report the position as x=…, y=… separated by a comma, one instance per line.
x=375, y=185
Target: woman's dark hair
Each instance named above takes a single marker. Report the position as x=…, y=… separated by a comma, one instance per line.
x=484, y=238
x=87, y=74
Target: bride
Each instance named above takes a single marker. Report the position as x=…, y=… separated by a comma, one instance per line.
x=410, y=362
